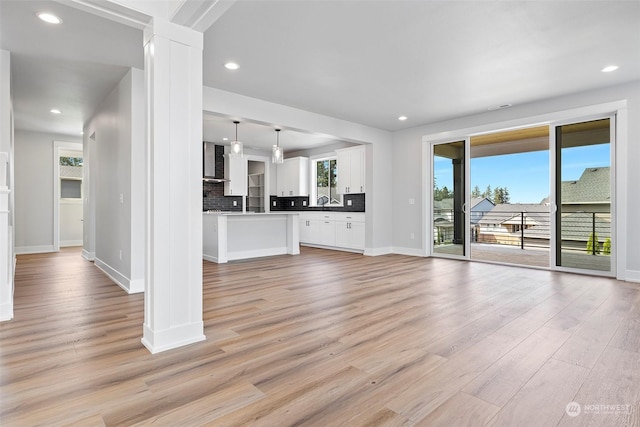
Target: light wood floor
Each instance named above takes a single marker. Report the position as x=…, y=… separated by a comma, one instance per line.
x=326, y=338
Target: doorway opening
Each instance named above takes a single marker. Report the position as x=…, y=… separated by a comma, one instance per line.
x=68, y=195
x=255, y=186
x=540, y=196
x=509, y=206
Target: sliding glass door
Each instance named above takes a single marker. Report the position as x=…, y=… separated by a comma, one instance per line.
x=449, y=221
x=584, y=196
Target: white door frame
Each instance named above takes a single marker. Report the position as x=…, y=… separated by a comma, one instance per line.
x=615, y=208
x=617, y=108
x=57, y=147
x=467, y=199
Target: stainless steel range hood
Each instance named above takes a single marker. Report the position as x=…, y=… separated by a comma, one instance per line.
x=209, y=164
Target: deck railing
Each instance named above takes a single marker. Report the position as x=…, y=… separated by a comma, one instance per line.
x=582, y=231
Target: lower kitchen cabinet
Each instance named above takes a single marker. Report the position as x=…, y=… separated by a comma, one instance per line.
x=338, y=230
x=350, y=234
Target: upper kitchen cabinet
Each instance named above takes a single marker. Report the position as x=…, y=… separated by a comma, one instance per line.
x=293, y=177
x=351, y=170
x=235, y=171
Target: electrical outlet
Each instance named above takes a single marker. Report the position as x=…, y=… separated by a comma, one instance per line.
x=304, y=203
x=120, y=254
x=412, y=201
x=235, y=203
x=349, y=202
x=293, y=203
x=121, y=198
x=412, y=236
x=274, y=203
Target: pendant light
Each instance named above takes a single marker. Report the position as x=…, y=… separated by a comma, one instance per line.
x=236, y=146
x=277, y=156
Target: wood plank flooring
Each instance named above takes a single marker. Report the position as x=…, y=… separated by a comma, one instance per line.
x=326, y=338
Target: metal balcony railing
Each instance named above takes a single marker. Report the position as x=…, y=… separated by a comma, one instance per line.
x=581, y=231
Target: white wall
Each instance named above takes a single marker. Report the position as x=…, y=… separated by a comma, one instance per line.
x=379, y=152
x=34, y=174
x=114, y=154
x=408, y=164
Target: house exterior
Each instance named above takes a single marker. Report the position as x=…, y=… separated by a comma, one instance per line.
x=585, y=210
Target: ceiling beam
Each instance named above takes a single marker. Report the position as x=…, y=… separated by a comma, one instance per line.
x=198, y=14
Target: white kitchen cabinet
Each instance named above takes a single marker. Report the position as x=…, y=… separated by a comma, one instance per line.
x=235, y=170
x=349, y=230
x=312, y=227
x=309, y=229
x=342, y=230
x=351, y=170
x=293, y=177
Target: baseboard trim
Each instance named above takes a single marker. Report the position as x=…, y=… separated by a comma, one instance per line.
x=6, y=311
x=632, y=276
x=378, y=251
x=333, y=248
x=117, y=277
x=408, y=251
x=70, y=243
x=89, y=256
x=179, y=336
x=23, y=250
x=214, y=259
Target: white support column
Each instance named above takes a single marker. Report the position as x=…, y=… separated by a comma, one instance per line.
x=6, y=261
x=173, y=292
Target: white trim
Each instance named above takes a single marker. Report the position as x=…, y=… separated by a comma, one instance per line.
x=130, y=287
x=620, y=178
x=256, y=253
x=167, y=339
x=632, y=276
x=89, y=256
x=22, y=250
x=378, y=251
x=409, y=251
x=333, y=248
x=57, y=147
x=617, y=108
x=70, y=243
x=214, y=259
x=615, y=210
x=6, y=311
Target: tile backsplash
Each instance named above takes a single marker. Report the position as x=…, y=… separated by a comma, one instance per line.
x=213, y=197
x=298, y=204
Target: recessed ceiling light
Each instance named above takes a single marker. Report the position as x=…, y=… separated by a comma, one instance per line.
x=49, y=17
x=231, y=66
x=609, y=68
x=225, y=139
x=55, y=111
x=402, y=118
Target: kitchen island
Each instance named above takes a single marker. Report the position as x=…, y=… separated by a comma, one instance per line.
x=231, y=236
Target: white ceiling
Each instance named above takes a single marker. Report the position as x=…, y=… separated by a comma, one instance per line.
x=71, y=67
x=366, y=62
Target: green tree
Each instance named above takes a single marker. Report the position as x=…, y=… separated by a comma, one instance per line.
x=488, y=193
x=476, y=192
x=606, y=247
x=322, y=175
x=501, y=195
x=593, y=246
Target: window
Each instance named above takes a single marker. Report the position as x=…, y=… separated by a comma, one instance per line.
x=70, y=161
x=70, y=188
x=325, y=182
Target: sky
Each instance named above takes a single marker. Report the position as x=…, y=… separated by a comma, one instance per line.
x=526, y=175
